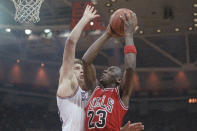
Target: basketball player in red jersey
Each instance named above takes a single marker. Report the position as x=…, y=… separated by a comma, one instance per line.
x=110, y=99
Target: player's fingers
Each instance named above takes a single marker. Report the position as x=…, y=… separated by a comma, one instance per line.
x=87, y=7
x=123, y=19
x=126, y=126
x=108, y=29
x=133, y=14
x=91, y=8
x=137, y=124
x=94, y=12
x=126, y=16
x=139, y=127
x=134, y=17
x=128, y=123
x=96, y=16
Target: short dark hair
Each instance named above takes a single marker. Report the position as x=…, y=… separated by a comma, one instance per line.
x=118, y=71
x=78, y=61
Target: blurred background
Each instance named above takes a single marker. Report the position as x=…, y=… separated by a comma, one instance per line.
x=165, y=84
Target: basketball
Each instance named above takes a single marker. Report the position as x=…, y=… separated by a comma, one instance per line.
x=116, y=23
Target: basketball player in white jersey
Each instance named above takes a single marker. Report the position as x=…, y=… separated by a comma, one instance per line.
x=72, y=96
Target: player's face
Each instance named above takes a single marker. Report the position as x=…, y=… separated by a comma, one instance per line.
x=109, y=75
x=78, y=71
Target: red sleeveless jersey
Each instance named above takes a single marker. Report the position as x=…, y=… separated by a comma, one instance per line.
x=104, y=111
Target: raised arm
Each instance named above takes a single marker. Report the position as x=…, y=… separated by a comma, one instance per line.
x=67, y=82
x=130, y=57
x=91, y=53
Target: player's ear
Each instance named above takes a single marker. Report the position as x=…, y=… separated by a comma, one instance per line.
x=118, y=80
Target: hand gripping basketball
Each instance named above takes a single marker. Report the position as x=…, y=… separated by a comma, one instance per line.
x=118, y=19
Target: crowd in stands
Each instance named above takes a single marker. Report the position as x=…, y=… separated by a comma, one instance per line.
x=179, y=120
x=28, y=118
x=32, y=117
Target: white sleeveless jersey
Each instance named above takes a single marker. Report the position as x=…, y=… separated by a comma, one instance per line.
x=72, y=110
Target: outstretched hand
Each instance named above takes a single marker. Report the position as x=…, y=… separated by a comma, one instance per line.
x=132, y=127
x=129, y=22
x=90, y=13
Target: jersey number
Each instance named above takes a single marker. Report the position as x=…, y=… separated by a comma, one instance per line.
x=102, y=114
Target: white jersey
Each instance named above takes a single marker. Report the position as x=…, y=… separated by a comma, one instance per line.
x=72, y=110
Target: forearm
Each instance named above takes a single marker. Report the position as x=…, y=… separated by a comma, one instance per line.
x=69, y=50
x=93, y=50
x=129, y=39
x=76, y=32
x=130, y=58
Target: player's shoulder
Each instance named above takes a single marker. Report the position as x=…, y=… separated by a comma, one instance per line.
x=98, y=88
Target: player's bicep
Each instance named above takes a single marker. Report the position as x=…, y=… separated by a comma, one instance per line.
x=89, y=76
x=64, y=72
x=64, y=88
x=67, y=82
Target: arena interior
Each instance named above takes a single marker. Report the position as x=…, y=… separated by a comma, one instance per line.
x=165, y=83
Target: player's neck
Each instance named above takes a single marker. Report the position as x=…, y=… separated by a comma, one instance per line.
x=111, y=85
x=81, y=85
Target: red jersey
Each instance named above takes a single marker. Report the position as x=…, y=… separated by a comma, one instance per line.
x=104, y=111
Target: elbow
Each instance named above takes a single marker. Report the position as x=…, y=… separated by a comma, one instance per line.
x=130, y=70
x=131, y=67
x=70, y=40
x=70, y=37
x=86, y=60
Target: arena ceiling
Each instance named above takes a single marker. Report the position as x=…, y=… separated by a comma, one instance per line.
x=166, y=40
x=167, y=37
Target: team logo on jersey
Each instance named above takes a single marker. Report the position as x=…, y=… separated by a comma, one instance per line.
x=106, y=104
x=84, y=96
